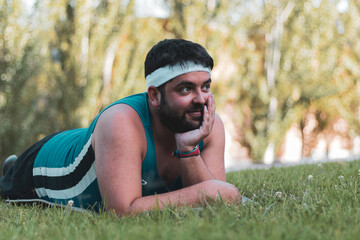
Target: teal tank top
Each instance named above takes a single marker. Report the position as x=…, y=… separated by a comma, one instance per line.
x=64, y=168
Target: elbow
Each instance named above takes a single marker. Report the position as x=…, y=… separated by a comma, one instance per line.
x=119, y=212
x=123, y=210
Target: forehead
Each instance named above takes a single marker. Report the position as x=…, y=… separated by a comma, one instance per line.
x=191, y=77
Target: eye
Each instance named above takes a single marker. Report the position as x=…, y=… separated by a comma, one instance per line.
x=206, y=87
x=184, y=90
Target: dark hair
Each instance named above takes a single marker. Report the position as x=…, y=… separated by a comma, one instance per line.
x=173, y=51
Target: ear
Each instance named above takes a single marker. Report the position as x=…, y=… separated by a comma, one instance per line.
x=154, y=96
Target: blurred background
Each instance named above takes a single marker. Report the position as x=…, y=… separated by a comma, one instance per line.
x=286, y=77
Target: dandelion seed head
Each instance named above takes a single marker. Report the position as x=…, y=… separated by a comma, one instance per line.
x=278, y=194
x=70, y=203
x=310, y=177
x=341, y=177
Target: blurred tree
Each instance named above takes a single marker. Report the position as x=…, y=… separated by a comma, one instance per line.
x=21, y=60
x=287, y=59
x=348, y=70
x=276, y=62
x=308, y=81
x=52, y=65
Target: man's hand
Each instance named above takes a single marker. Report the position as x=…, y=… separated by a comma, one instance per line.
x=188, y=140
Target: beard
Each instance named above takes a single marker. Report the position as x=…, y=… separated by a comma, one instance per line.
x=176, y=120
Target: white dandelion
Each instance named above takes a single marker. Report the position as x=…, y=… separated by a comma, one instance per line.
x=70, y=203
x=310, y=177
x=278, y=194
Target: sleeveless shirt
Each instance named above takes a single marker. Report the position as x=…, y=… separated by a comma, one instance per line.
x=64, y=168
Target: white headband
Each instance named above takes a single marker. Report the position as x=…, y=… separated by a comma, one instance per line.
x=164, y=74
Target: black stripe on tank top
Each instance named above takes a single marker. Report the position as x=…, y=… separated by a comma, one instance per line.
x=69, y=180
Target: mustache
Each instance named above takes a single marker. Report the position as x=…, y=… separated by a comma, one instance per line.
x=195, y=107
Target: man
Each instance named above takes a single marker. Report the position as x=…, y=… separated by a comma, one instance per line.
x=165, y=146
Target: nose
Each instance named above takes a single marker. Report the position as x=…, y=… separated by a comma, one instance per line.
x=200, y=97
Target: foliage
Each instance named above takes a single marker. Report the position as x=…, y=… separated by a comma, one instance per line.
x=20, y=85
x=301, y=202
x=275, y=62
x=309, y=75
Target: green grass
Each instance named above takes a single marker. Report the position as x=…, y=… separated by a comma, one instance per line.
x=326, y=207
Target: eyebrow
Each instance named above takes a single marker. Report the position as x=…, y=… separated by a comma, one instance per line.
x=187, y=83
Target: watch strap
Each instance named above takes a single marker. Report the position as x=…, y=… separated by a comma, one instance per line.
x=194, y=152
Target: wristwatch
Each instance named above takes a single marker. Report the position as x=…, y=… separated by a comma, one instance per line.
x=194, y=152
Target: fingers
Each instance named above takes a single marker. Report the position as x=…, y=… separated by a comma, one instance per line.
x=211, y=108
x=209, y=115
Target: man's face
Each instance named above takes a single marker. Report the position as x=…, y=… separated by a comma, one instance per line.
x=181, y=106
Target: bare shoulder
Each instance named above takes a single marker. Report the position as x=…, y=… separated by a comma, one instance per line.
x=117, y=111
x=119, y=123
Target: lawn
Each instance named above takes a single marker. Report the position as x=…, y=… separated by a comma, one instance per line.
x=301, y=202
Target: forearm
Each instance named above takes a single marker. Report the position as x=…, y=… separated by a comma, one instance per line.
x=193, y=170
x=196, y=169
x=189, y=196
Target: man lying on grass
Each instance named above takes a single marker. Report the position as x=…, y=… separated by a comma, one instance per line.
x=161, y=147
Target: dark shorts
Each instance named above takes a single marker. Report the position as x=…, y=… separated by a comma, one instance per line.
x=17, y=183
